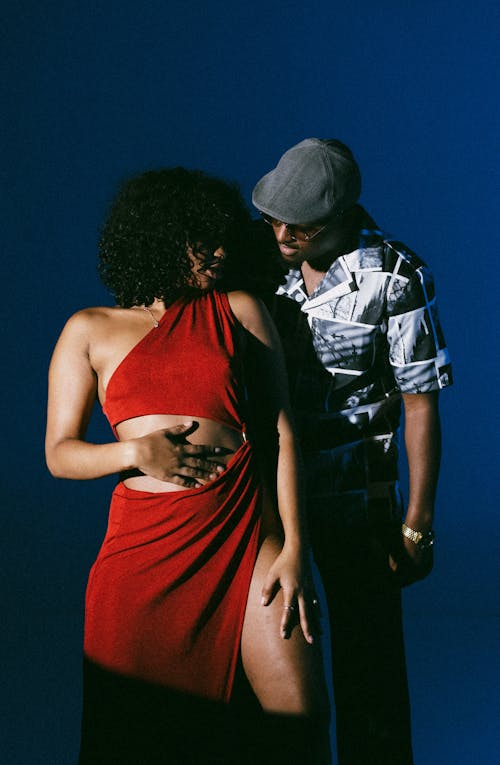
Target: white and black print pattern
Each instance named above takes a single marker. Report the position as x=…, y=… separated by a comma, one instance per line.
x=369, y=332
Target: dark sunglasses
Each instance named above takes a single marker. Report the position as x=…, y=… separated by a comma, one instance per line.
x=295, y=231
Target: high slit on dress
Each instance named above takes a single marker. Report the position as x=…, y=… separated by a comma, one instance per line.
x=166, y=596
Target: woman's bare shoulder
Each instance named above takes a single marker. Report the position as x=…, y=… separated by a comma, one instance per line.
x=252, y=314
x=93, y=317
x=244, y=303
x=89, y=324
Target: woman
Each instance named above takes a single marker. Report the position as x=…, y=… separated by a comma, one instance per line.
x=194, y=575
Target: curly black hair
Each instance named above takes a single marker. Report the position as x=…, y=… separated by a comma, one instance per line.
x=153, y=219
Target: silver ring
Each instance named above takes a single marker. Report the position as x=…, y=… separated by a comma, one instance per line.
x=315, y=602
x=289, y=608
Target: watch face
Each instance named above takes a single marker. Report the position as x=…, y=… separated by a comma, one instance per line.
x=426, y=540
x=420, y=538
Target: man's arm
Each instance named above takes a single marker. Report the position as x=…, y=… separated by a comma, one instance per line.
x=423, y=448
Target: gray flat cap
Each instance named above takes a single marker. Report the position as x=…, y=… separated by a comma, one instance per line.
x=314, y=179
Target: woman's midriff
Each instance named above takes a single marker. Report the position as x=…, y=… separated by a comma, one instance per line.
x=208, y=433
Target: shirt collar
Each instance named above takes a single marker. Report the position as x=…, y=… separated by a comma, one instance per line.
x=340, y=278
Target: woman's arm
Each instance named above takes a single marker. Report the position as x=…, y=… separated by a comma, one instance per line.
x=72, y=394
x=290, y=570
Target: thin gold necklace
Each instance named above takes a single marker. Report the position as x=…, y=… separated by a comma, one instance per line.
x=156, y=323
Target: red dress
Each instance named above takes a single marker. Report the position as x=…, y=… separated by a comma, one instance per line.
x=167, y=594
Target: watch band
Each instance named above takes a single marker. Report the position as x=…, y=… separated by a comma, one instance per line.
x=421, y=539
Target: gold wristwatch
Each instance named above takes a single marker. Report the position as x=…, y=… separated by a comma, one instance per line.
x=422, y=539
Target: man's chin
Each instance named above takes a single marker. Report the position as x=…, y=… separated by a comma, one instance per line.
x=294, y=259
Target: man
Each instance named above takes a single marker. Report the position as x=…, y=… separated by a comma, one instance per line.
x=359, y=325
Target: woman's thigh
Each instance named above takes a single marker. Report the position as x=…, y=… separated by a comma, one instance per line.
x=286, y=674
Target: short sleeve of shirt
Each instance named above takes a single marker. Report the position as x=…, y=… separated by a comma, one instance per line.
x=417, y=349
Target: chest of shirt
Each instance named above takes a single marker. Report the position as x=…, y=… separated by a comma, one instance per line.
x=348, y=326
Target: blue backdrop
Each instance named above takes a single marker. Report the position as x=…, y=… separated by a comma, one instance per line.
x=95, y=91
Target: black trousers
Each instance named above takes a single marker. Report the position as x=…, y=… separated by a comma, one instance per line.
x=368, y=657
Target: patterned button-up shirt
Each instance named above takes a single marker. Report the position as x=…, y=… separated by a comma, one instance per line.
x=369, y=332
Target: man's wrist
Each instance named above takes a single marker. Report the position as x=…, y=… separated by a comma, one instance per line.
x=423, y=539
